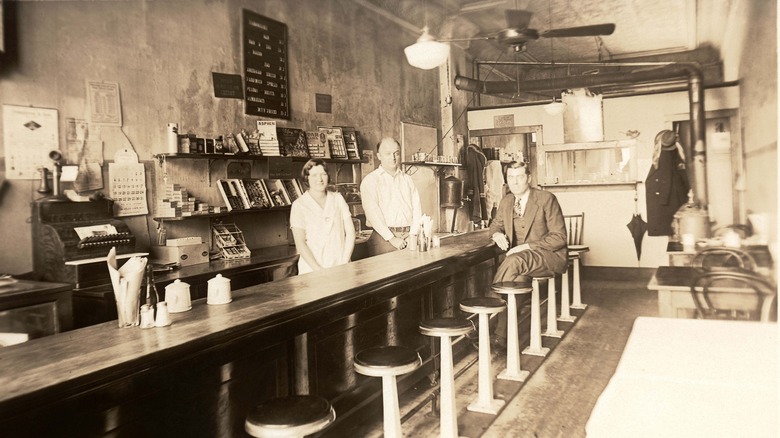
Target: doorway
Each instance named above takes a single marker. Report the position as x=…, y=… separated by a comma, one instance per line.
x=724, y=165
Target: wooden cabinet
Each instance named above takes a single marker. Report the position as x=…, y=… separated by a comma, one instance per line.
x=35, y=308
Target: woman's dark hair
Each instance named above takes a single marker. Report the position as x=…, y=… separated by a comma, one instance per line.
x=309, y=165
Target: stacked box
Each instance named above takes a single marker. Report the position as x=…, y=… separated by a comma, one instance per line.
x=177, y=202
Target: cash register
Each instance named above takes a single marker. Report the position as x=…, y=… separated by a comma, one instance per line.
x=70, y=243
x=71, y=240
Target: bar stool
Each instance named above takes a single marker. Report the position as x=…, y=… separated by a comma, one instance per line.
x=511, y=290
x=445, y=329
x=552, y=309
x=566, y=315
x=292, y=416
x=484, y=307
x=388, y=362
x=574, y=256
x=535, y=348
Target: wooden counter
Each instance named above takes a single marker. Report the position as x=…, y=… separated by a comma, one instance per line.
x=200, y=376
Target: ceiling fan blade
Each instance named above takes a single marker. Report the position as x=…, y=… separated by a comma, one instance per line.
x=517, y=18
x=593, y=30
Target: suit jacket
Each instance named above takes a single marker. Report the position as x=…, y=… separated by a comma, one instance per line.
x=544, y=232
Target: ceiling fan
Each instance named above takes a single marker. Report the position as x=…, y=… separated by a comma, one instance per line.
x=517, y=33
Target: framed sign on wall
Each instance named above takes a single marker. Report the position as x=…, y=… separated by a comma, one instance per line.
x=266, y=91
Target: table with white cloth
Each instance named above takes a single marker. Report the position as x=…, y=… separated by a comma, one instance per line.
x=692, y=378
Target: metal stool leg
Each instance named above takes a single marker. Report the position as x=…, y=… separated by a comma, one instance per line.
x=577, y=292
x=512, y=371
x=392, y=414
x=449, y=419
x=552, y=321
x=485, y=402
x=535, y=347
x=565, y=313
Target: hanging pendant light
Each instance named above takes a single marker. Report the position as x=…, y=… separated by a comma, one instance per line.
x=427, y=53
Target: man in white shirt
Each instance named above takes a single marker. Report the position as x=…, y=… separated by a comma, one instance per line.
x=390, y=201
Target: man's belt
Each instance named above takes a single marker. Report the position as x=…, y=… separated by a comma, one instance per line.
x=399, y=229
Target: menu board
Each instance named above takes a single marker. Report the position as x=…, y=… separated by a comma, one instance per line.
x=265, y=67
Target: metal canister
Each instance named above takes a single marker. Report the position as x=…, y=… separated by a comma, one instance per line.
x=451, y=192
x=691, y=219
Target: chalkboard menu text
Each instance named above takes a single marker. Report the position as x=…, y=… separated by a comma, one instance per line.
x=265, y=67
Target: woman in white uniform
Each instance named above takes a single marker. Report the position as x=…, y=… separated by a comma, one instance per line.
x=321, y=222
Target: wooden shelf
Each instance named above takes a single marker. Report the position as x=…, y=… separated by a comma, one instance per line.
x=591, y=184
x=167, y=156
x=427, y=163
x=227, y=213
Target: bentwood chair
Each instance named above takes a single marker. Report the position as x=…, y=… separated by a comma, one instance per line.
x=743, y=230
x=733, y=294
x=717, y=257
x=574, y=224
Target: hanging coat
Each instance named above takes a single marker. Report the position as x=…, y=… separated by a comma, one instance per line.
x=666, y=189
x=474, y=186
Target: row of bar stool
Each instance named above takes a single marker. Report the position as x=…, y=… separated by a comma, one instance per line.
x=302, y=415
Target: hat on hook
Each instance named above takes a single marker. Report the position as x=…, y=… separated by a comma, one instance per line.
x=666, y=137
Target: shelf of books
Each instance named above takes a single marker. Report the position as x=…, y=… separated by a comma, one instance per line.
x=249, y=156
x=334, y=144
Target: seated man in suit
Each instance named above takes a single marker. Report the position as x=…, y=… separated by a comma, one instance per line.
x=528, y=225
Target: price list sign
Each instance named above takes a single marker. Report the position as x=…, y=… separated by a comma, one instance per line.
x=265, y=67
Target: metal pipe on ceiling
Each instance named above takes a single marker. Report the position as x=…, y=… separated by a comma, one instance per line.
x=665, y=72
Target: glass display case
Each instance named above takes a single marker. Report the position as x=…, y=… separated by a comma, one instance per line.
x=592, y=163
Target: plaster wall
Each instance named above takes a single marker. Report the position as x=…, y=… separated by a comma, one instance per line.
x=163, y=53
x=608, y=209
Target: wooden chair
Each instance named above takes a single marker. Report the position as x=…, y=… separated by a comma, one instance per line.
x=574, y=225
x=743, y=230
x=726, y=294
x=716, y=257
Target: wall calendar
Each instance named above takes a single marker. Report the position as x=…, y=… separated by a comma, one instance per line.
x=265, y=67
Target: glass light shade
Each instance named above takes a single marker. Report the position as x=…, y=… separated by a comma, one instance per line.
x=427, y=53
x=554, y=108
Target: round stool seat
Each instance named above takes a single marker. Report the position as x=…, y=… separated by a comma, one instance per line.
x=295, y=415
x=387, y=361
x=445, y=327
x=482, y=305
x=511, y=287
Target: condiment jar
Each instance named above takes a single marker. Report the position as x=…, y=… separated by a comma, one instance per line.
x=219, y=290
x=177, y=295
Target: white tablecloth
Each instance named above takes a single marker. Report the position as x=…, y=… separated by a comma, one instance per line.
x=692, y=378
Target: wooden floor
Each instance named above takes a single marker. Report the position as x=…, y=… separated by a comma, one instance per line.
x=557, y=399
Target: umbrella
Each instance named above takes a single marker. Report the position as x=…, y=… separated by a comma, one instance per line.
x=637, y=227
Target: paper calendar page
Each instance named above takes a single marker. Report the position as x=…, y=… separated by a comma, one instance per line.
x=29, y=134
x=127, y=184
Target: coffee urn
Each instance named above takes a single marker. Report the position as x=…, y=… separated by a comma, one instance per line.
x=451, y=192
x=691, y=219
x=451, y=195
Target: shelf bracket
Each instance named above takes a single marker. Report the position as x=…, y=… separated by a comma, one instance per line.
x=208, y=169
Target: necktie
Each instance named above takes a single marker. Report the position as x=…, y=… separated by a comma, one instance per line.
x=518, y=208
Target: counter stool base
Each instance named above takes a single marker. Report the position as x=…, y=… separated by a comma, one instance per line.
x=517, y=377
x=493, y=408
x=542, y=352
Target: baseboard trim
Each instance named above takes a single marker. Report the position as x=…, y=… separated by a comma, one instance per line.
x=617, y=273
